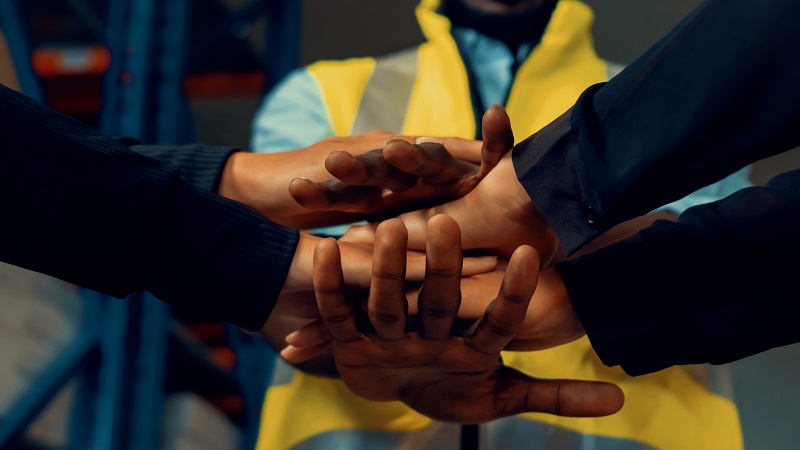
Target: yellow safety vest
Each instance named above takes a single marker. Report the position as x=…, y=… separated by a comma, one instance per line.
x=670, y=409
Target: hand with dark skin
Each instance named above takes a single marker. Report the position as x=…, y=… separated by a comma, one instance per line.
x=297, y=307
x=498, y=202
x=375, y=175
x=297, y=296
x=448, y=378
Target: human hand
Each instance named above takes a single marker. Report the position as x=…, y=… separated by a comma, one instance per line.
x=378, y=174
x=496, y=217
x=297, y=295
x=549, y=321
x=408, y=174
x=448, y=378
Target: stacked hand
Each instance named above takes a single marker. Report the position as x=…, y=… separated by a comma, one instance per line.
x=297, y=297
x=446, y=377
x=495, y=215
x=377, y=175
x=549, y=321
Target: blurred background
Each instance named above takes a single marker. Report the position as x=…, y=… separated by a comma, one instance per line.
x=84, y=371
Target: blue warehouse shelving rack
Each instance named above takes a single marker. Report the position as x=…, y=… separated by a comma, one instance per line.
x=127, y=355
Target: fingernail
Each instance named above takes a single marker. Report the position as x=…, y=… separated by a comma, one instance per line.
x=285, y=351
x=291, y=336
x=398, y=140
x=420, y=140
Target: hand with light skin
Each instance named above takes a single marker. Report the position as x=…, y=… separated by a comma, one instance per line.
x=377, y=174
x=550, y=320
x=496, y=217
x=445, y=377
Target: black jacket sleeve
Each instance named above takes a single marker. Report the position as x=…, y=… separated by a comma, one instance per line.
x=717, y=93
x=80, y=206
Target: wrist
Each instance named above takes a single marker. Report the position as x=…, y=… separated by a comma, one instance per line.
x=231, y=182
x=261, y=181
x=299, y=277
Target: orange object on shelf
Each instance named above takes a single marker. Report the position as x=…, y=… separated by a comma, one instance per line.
x=51, y=62
x=229, y=404
x=224, y=357
x=79, y=96
x=223, y=84
x=209, y=331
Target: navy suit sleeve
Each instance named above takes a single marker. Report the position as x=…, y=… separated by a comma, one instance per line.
x=718, y=285
x=81, y=206
x=200, y=165
x=717, y=93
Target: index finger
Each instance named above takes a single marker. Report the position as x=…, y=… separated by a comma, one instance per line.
x=505, y=314
x=430, y=160
x=336, y=312
x=333, y=195
x=467, y=150
x=368, y=169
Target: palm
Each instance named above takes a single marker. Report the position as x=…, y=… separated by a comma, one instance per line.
x=445, y=380
x=456, y=379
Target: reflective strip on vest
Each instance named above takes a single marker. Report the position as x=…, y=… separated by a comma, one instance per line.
x=612, y=69
x=391, y=83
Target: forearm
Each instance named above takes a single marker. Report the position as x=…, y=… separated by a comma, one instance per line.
x=716, y=286
x=711, y=97
x=80, y=206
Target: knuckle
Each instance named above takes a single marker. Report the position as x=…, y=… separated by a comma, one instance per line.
x=337, y=318
x=516, y=298
x=383, y=317
x=443, y=272
x=501, y=328
x=386, y=274
x=439, y=311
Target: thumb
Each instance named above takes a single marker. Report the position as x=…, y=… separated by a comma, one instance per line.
x=573, y=398
x=498, y=138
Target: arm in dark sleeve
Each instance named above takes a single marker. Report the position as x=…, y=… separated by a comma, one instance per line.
x=200, y=165
x=719, y=92
x=718, y=285
x=80, y=206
